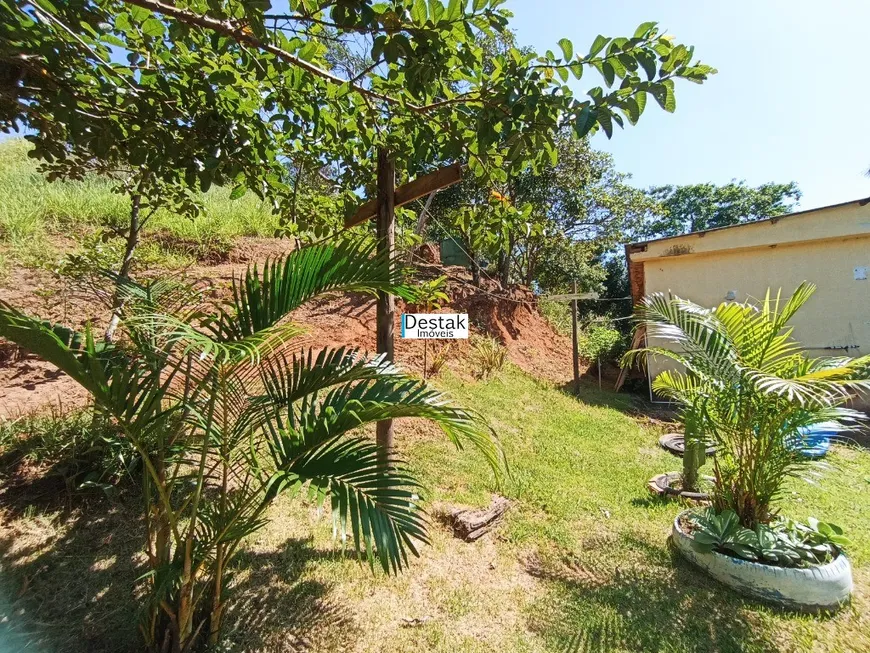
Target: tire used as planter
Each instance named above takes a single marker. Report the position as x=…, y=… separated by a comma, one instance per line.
x=810, y=589
x=663, y=485
x=675, y=443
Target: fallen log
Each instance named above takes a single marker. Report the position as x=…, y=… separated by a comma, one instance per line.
x=471, y=525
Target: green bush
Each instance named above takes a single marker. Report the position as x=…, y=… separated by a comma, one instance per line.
x=558, y=314
x=601, y=342
x=488, y=356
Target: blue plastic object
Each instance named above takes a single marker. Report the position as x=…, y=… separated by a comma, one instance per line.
x=815, y=441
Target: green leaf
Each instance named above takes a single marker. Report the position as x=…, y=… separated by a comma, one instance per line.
x=153, y=27
x=585, y=122
x=419, y=14
x=308, y=51
x=436, y=10
x=567, y=49
x=609, y=73
x=480, y=4
x=664, y=95
x=598, y=45
x=648, y=62
x=640, y=99
x=122, y=23
x=238, y=191
x=606, y=122
x=644, y=28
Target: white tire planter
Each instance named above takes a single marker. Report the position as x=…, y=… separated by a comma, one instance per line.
x=812, y=589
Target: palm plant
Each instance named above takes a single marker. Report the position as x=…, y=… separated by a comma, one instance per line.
x=430, y=297
x=695, y=441
x=752, y=389
x=229, y=407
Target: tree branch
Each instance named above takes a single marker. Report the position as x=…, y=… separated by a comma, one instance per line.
x=243, y=35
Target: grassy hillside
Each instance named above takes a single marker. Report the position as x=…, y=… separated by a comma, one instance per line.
x=32, y=210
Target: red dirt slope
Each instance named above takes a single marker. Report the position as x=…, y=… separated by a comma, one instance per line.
x=28, y=384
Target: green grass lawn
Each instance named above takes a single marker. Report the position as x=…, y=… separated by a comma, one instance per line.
x=599, y=541
x=581, y=562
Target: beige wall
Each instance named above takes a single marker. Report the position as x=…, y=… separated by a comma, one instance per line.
x=834, y=223
x=823, y=247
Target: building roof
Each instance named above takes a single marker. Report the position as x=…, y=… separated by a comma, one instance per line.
x=773, y=220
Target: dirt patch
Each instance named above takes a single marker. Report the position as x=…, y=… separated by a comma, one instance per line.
x=28, y=384
x=511, y=316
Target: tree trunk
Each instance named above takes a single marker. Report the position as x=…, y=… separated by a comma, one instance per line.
x=693, y=458
x=425, y=356
x=504, y=264
x=386, y=306
x=126, y=264
x=475, y=272
x=531, y=263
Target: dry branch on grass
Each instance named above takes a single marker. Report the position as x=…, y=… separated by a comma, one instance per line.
x=471, y=525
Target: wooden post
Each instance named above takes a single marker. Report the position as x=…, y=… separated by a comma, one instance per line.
x=576, y=346
x=386, y=231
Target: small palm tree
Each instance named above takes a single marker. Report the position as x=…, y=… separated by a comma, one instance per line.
x=430, y=297
x=751, y=389
x=228, y=408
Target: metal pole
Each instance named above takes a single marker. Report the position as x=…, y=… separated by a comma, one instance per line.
x=386, y=232
x=576, y=346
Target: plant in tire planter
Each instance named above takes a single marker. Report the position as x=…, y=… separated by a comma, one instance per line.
x=797, y=566
x=756, y=391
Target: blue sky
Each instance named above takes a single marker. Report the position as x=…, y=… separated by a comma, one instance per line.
x=791, y=101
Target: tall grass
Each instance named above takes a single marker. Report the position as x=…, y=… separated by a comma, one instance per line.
x=33, y=209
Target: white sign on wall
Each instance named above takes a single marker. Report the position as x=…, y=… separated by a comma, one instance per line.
x=434, y=326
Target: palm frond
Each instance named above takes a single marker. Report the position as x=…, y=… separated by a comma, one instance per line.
x=263, y=298
x=76, y=354
x=352, y=405
x=375, y=503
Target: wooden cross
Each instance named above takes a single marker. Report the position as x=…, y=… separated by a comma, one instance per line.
x=384, y=208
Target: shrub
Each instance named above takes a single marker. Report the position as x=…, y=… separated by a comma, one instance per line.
x=558, y=314
x=752, y=390
x=488, y=356
x=440, y=359
x=785, y=543
x=600, y=342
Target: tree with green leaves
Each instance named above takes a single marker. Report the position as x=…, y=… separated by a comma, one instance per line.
x=697, y=207
x=227, y=410
x=552, y=223
x=222, y=92
x=142, y=120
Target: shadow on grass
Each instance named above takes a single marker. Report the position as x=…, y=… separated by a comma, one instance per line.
x=68, y=580
x=273, y=609
x=631, y=403
x=68, y=571
x=663, y=606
